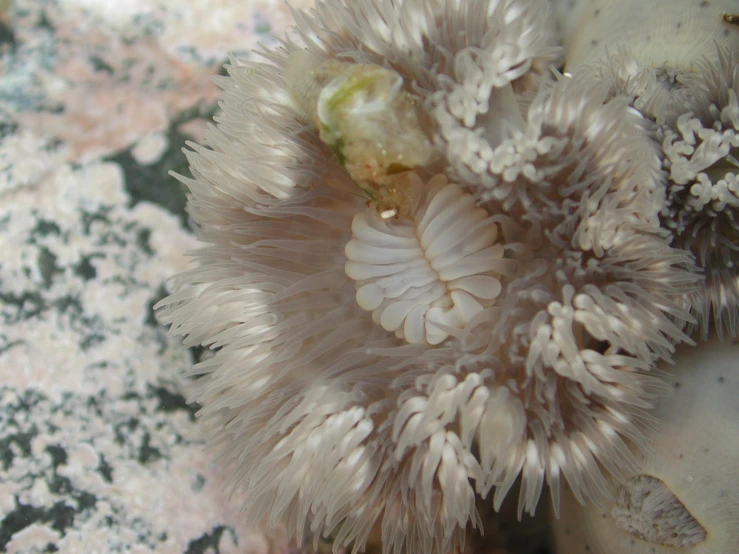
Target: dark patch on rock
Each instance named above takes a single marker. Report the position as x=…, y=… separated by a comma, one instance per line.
x=25, y=306
x=8, y=128
x=209, y=543
x=197, y=353
x=91, y=340
x=147, y=452
x=171, y=402
x=7, y=36
x=58, y=455
x=124, y=429
x=153, y=183
x=105, y=470
x=99, y=216
x=84, y=268
x=59, y=516
x=21, y=440
x=198, y=484
x=47, y=266
x=58, y=484
x=151, y=316
x=142, y=241
x=100, y=65
x=44, y=22
x=6, y=344
x=45, y=228
x=68, y=305
x=19, y=518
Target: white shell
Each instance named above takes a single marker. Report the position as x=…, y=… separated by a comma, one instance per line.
x=439, y=269
x=368, y=119
x=692, y=503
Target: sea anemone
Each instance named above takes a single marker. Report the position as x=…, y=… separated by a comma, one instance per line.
x=677, y=65
x=702, y=209
x=683, y=495
x=419, y=283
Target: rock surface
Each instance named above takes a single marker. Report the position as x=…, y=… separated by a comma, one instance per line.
x=99, y=451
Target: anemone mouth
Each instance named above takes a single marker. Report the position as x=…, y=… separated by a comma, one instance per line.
x=435, y=271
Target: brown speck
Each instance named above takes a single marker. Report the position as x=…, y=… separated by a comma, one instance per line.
x=732, y=18
x=705, y=3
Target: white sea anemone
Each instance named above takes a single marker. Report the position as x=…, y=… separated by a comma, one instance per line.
x=518, y=304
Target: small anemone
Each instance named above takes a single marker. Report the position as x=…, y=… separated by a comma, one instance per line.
x=646, y=508
x=700, y=154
